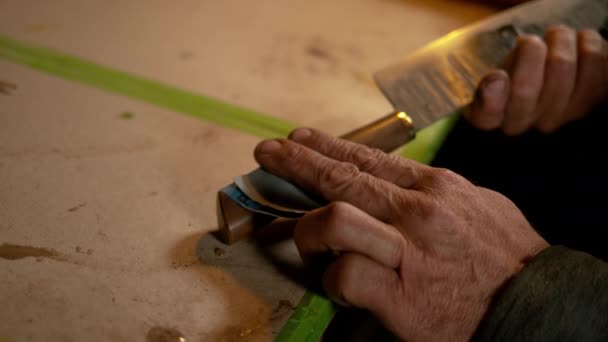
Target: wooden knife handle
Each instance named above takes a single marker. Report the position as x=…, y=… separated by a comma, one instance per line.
x=387, y=133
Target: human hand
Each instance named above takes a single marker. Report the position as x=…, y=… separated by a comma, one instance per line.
x=546, y=83
x=422, y=248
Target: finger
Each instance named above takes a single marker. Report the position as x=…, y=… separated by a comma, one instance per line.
x=355, y=280
x=526, y=76
x=340, y=227
x=488, y=109
x=394, y=169
x=560, y=78
x=333, y=180
x=591, y=87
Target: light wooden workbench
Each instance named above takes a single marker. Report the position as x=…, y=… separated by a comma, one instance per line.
x=114, y=192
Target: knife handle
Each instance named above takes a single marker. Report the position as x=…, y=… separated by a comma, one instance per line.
x=387, y=133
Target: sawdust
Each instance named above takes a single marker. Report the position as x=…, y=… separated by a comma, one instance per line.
x=183, y=254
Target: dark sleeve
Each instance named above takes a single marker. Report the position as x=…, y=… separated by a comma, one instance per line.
x=561, y=295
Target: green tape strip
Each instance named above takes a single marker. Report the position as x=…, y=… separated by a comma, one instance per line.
x=314, y=312
x=150, y=91
x=429, y=140
x=309, y=321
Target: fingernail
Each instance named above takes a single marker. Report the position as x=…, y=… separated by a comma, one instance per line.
x=269, y=146
x=300, y=134
x=494, y=87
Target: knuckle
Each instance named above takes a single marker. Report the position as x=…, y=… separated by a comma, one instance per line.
x=426, y=208
x=532, y=42
x=335, y=215
x=291, y=152
x=590, y=44
x=445, y=175
x=335, y=212
x=559, y=30
x=408, y=177
x=438, y=183
x=368, y=159
x=429, y=209
x=337, y=177
x=526, y=93
x=561, y=60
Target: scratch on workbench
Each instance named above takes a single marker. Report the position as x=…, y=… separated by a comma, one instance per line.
x=35, y=28
x=185, y=55
x=207, y=136
x=7, y=87
x=127, y=115
x=313, y=56
x=75, y=208
x=81, y=250
x=15, y=252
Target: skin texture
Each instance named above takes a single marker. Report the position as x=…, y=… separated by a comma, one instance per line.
x=546, y=83
x=422, y=248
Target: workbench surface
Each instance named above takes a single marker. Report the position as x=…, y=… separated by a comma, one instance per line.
x=107, y=187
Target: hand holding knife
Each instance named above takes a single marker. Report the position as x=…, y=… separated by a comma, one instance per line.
x=439, y=80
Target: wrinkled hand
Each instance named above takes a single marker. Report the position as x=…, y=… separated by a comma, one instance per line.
x=546, y=83
x=421, y=248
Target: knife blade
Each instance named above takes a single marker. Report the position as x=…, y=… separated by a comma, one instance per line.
x=442, y=77
x=424, y=87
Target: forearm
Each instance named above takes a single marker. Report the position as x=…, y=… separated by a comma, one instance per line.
x=561, y=295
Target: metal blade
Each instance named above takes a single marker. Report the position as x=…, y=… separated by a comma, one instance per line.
x=442, y=78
